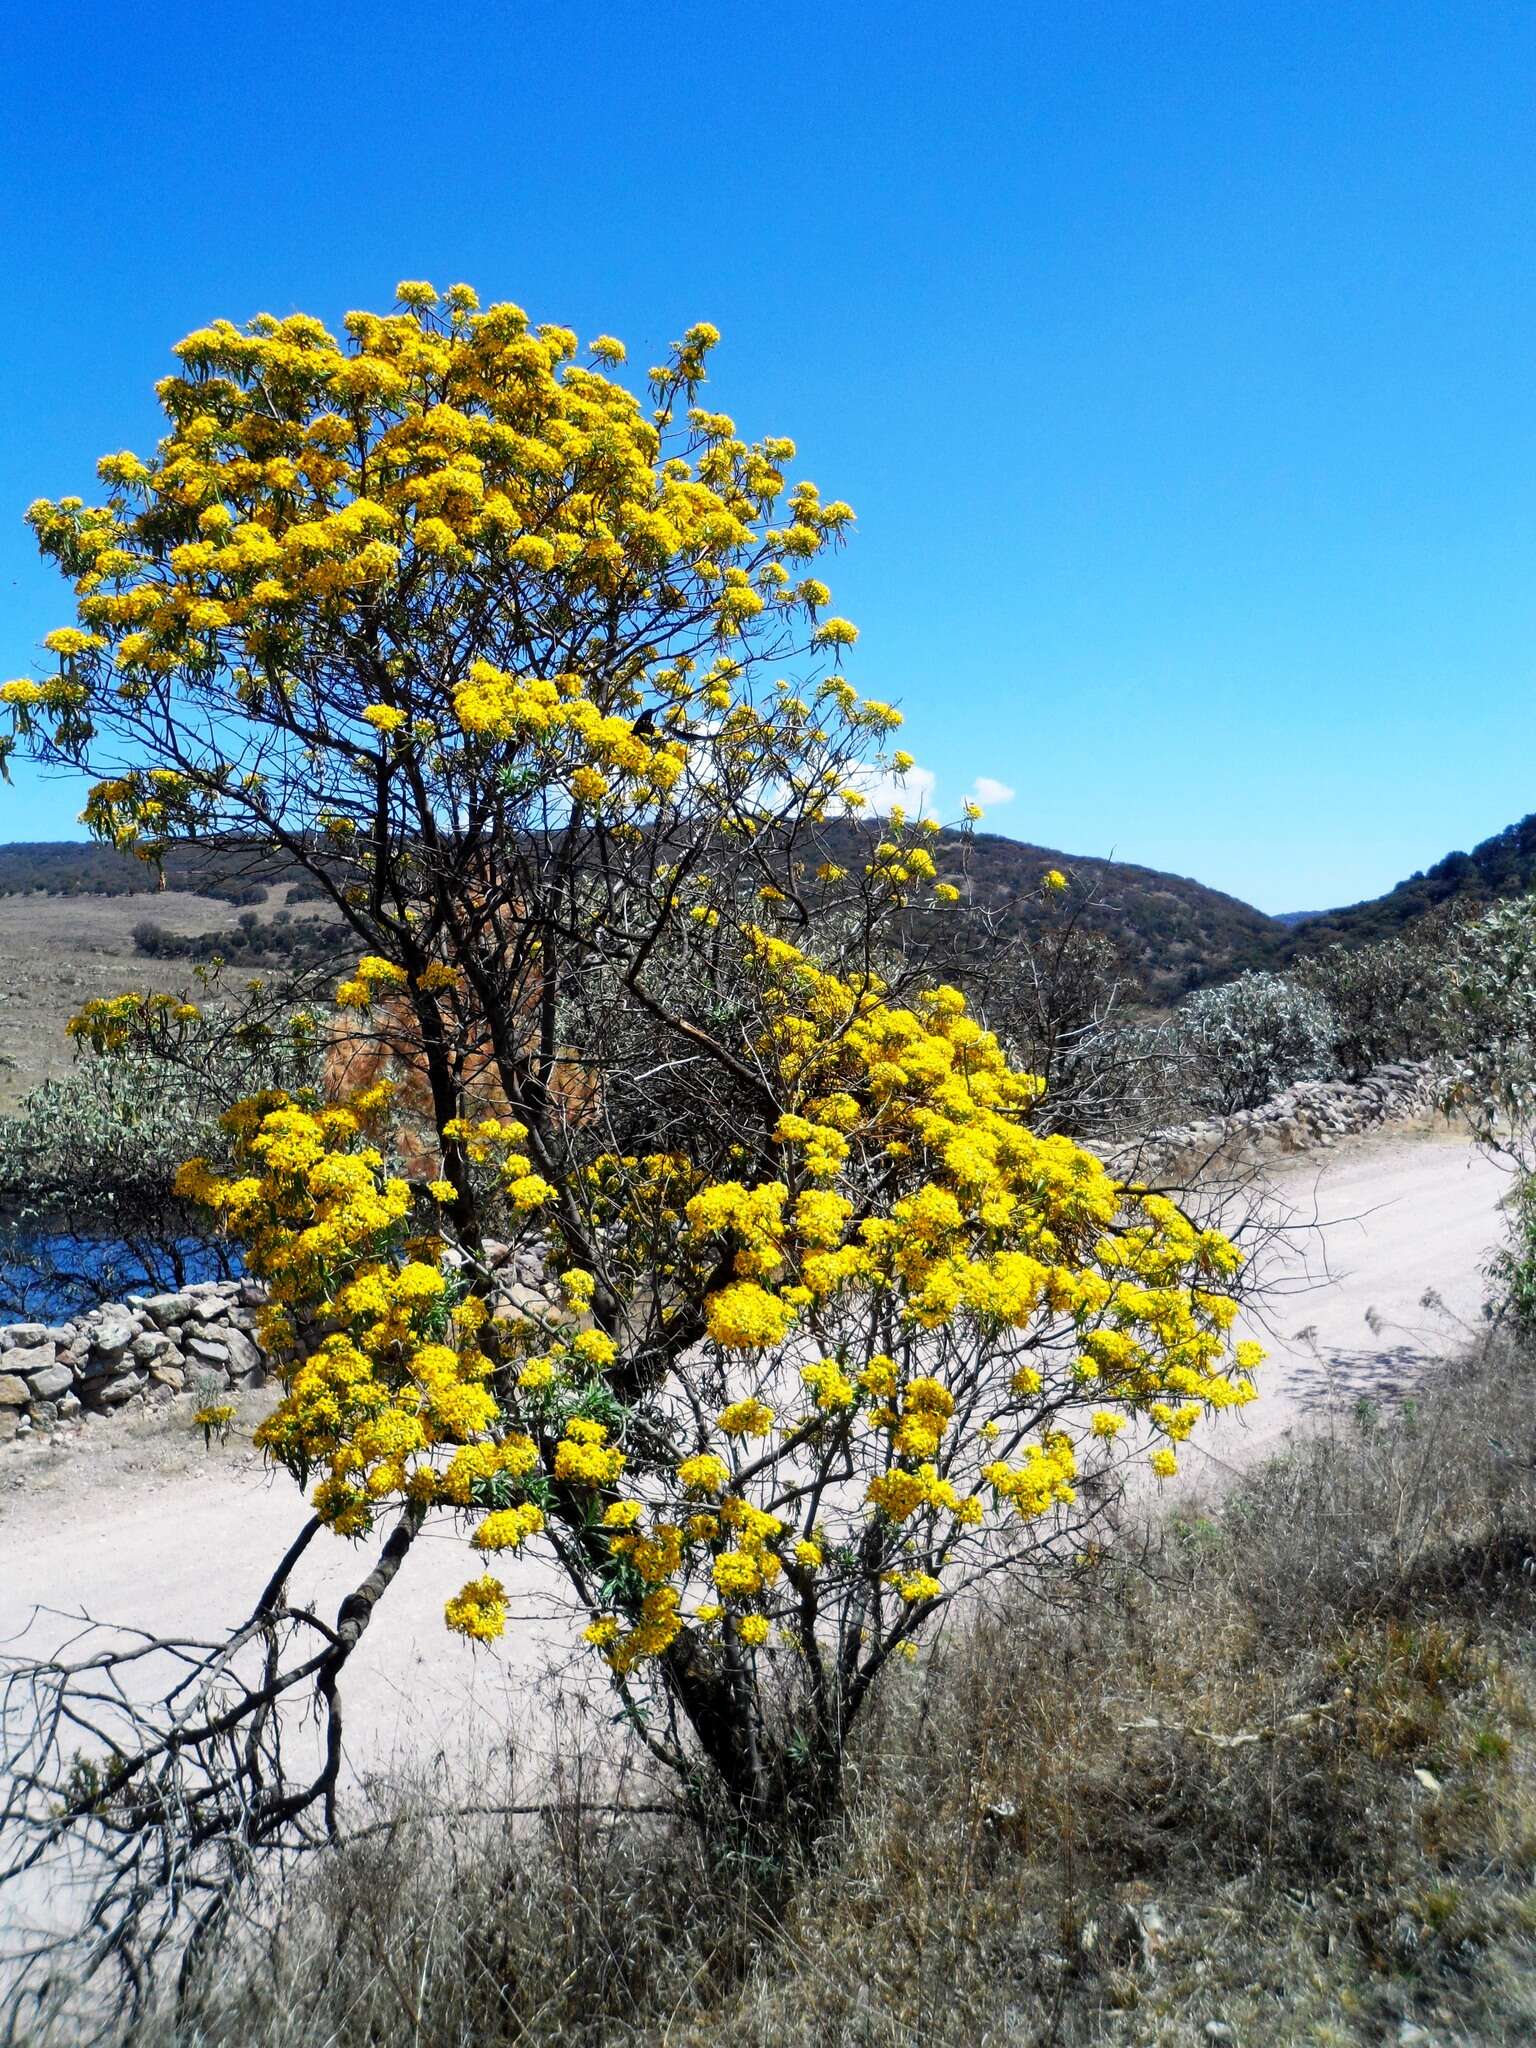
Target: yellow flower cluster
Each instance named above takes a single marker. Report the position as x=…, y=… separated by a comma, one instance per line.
x=313, y=485
x=584, y=1456
x=386, y=1386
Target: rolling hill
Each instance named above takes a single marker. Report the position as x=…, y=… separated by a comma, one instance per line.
x=1173, y=933
x=1503, y=865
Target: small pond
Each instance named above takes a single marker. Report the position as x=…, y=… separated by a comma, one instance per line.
x=48, y=1275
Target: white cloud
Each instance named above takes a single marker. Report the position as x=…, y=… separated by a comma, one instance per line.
x=988, y=790
x=881, y=788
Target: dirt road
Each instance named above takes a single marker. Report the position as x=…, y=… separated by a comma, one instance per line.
x=143, y=1526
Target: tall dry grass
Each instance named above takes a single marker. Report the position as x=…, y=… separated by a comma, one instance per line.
x=1273, y=1782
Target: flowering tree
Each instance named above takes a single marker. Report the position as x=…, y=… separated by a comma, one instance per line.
x=536, y=680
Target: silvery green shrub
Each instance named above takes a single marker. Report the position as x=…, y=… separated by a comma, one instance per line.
x=1251, y=1038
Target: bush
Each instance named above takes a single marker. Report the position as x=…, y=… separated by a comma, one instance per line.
x=1254, y=1037
x=1387, y=998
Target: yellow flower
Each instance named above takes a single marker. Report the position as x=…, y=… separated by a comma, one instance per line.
x=747, y=1317
x=478, y=1610
x=746, y=1418
x=704, y=1473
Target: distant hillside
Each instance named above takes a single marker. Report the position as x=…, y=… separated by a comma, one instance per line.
x=1174, y=934
x=81, y=867
x=1504, y=865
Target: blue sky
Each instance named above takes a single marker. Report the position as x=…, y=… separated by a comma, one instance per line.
x=1177, y=358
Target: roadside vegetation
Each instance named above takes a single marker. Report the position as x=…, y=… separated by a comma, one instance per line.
x=1273, y=1769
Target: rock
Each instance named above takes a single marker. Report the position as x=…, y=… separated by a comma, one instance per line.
x=28, y=1359
x=167, y=1310
x=1218, y=2030
x=209, y=1308
x=50, y=1382
x=170, y=1376
x=113, y=1393
x=44, y=1413
x=150, y=1345
x=23, y=1333
x=113, y=1333
x=10, y=1423
x=520, y=1299
x=245, y=1357
x=207, y=1351
x=69, y=1408
x=14, y=1392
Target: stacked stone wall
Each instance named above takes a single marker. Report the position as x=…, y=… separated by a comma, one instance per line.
x=199, y=1340
x=149, y=1348
x=1311, y=1116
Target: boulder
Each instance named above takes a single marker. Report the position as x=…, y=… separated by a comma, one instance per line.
x=52, y=1381
x=151, y=1345
x=114, y=1331
x=28, y=1359
x=23, y=1333
x=14, y=1392
x=113, y=1393
x=165, y=1311
x=245, y=1359
x=207, y=1351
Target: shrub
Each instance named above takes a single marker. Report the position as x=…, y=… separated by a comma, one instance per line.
x=1387, y=998
x=1253, y=1037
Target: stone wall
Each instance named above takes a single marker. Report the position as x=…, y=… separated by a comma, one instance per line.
x=148, y=1348
x=1310, y=1116
x=200, y=1340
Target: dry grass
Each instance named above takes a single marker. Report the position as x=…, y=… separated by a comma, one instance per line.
x=60, y=951
x=1279, y=1779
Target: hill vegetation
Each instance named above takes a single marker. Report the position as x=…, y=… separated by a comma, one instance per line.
x=1499, y=867
x=1170, y=932
x=82, y=867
